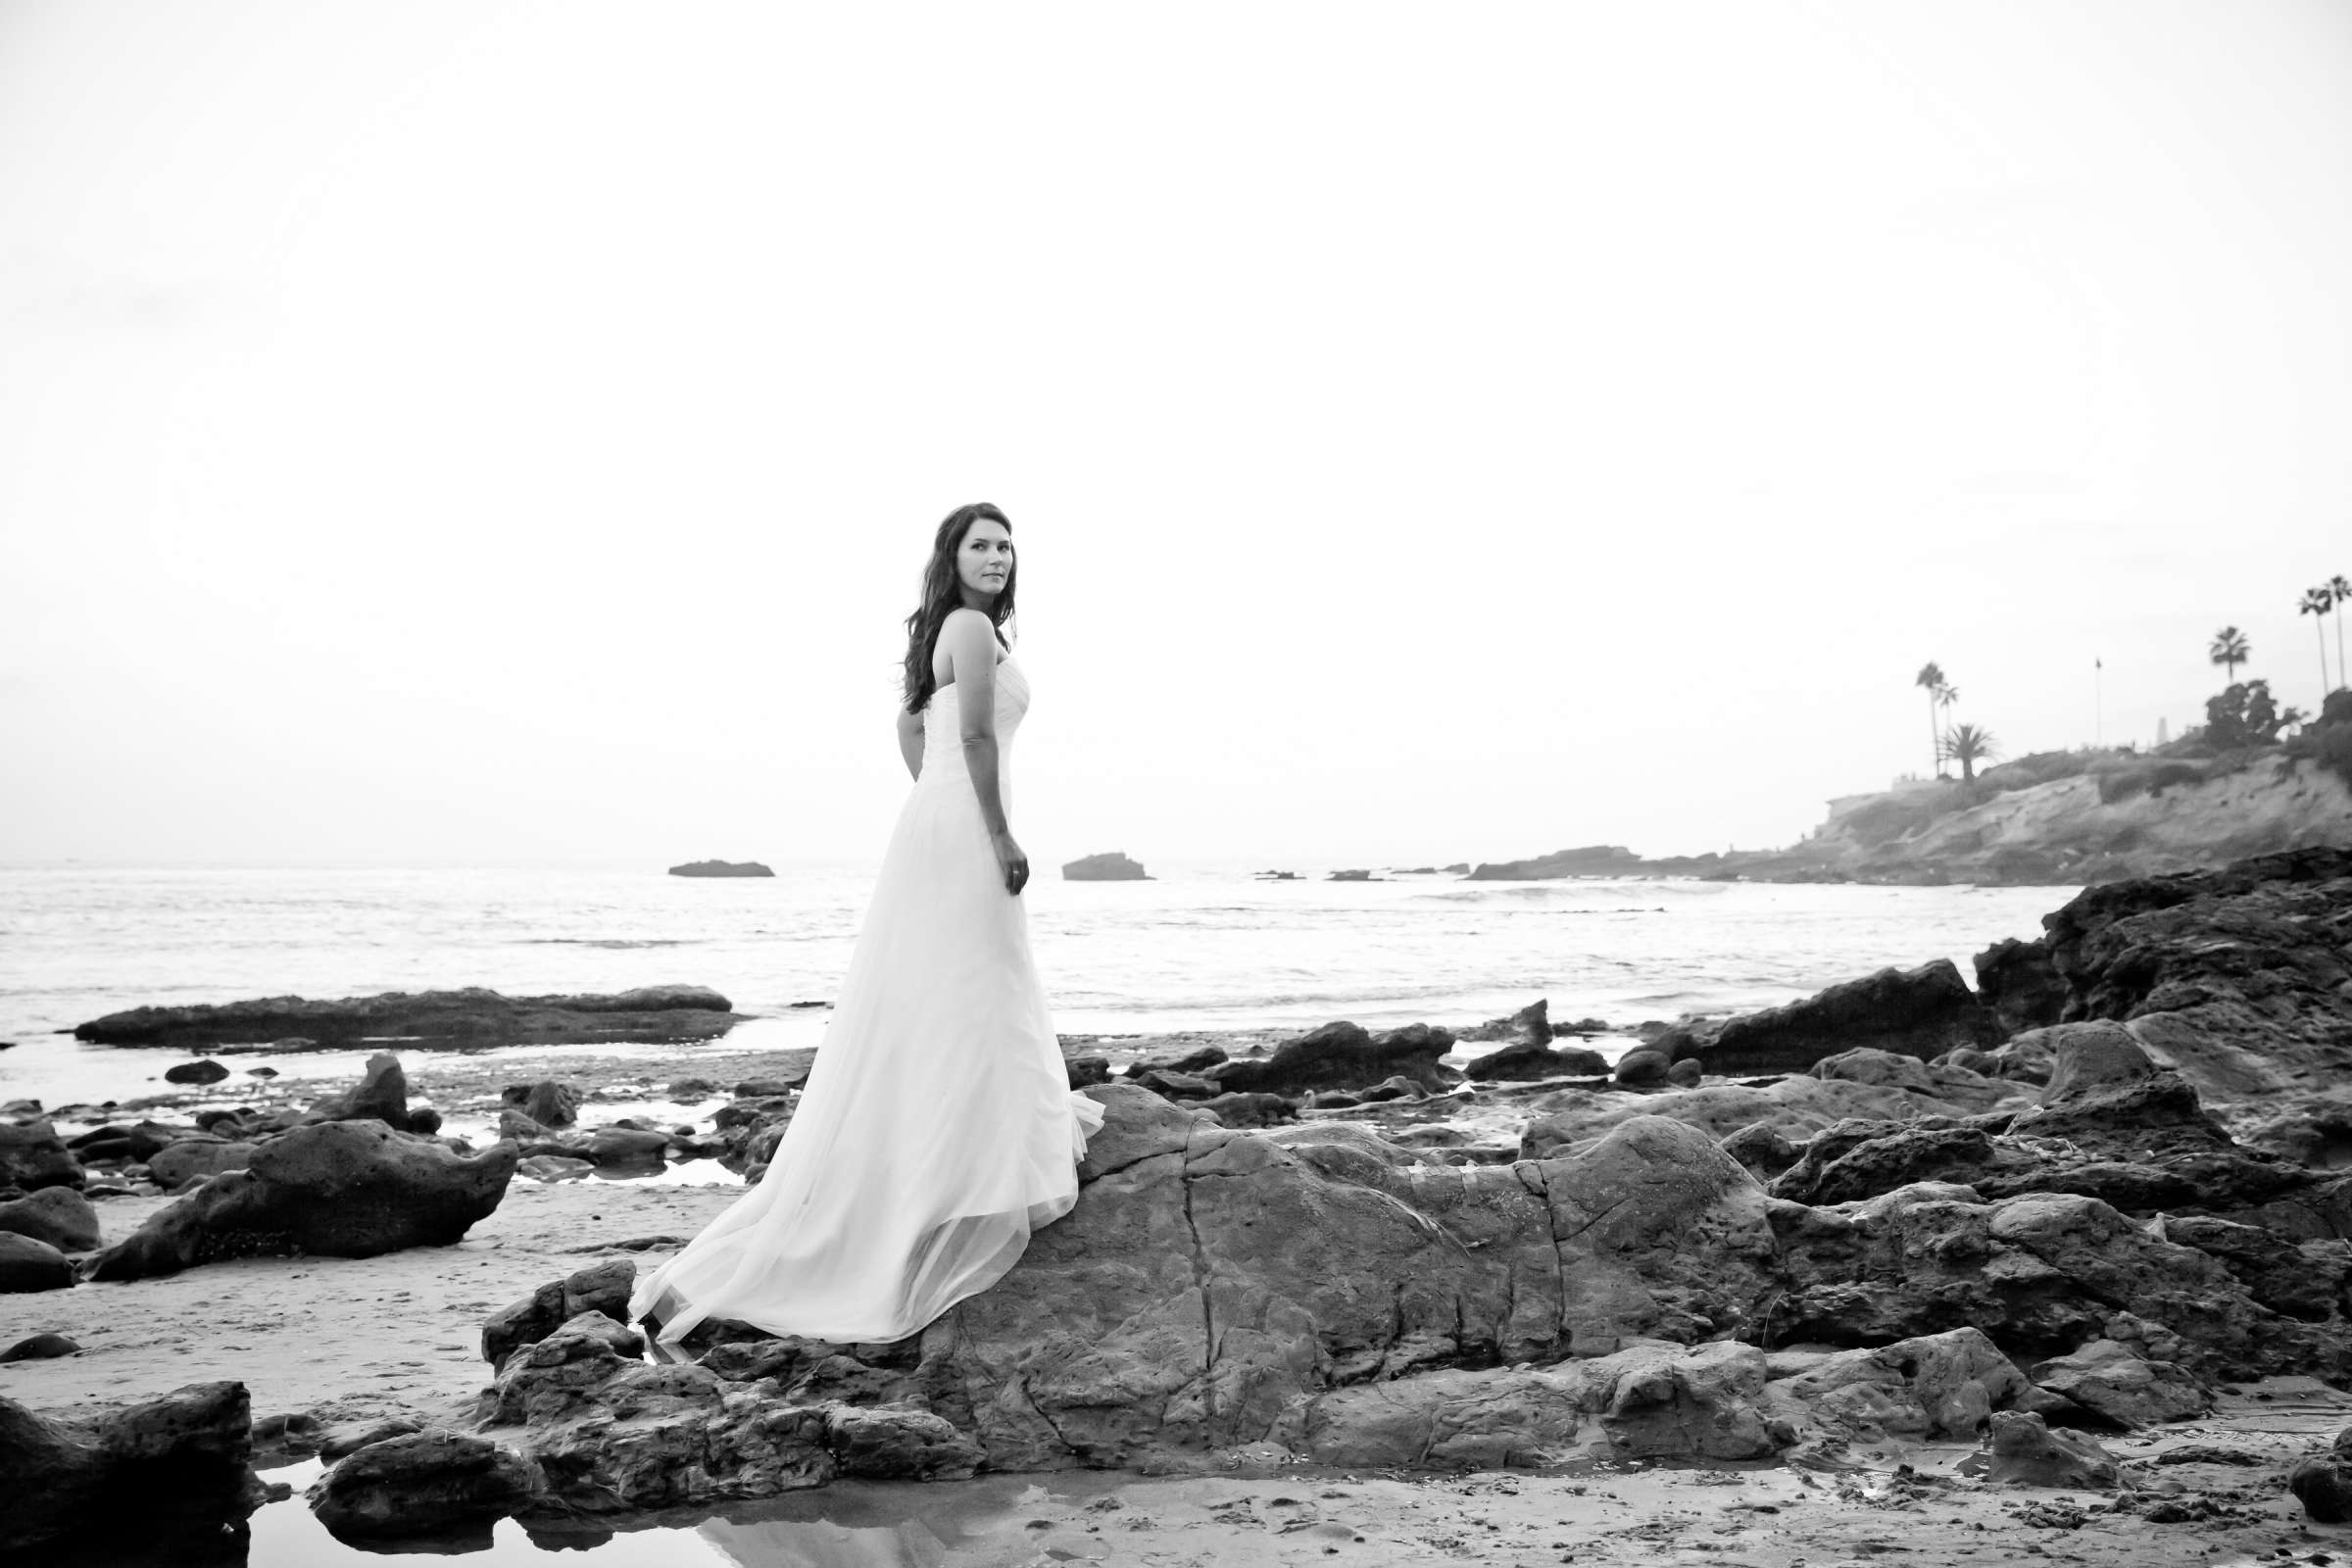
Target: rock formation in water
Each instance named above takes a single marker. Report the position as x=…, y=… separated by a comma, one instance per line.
x=1111, y=867
x=721, y=869
x=469, y=1019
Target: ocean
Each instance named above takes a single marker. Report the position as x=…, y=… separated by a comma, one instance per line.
x=1198, y=947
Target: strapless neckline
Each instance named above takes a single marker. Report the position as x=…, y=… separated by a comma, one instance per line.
x=952, y=685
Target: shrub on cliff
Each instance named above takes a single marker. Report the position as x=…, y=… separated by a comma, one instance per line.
x=2246, y=714
x=2327, y=740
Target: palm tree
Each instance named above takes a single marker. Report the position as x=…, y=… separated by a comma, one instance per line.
x=1931, y=676
x=2319, y=602
x=2230, y=650
x=1968, y=746
x=2339, y=589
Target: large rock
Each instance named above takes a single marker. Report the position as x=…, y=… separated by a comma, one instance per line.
x=33, y=1156
x=171, y=1473
x=2020, y=984
x=422, y=1484
x=58, y=1215
x=28, y=1266
x=2239, y=979
x=2042, y=1274
x=1920, y=1012
x=721, y=868
x=2111, y=1125
x=428, y=1019
x=339, y=1189
x=1319, y=1287
x=1342, y=1055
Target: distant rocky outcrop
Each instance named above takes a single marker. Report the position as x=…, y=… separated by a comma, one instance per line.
x=721, y=869
x=421, y=1020
x=1593, y=860
x=2053, y=818
x=1110, y=866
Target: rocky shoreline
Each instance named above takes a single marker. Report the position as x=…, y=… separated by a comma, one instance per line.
x=2037, y=1233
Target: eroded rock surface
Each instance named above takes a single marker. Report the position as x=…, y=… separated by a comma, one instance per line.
x=425, y=1019
x=339, y=1189
x=171, y=1469
x=2239, y=979
x=1920, y=1012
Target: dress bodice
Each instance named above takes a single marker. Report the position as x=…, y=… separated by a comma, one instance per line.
x=942, y=722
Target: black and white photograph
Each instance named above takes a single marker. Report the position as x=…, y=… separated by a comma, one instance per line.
x=985, y=786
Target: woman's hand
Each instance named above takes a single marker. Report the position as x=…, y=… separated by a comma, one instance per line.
x=1010, y=861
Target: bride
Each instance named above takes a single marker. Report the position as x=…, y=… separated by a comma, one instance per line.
x=937, y=1128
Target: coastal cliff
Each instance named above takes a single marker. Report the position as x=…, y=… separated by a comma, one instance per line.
x=2057, y=818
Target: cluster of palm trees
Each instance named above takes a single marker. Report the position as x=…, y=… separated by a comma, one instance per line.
x=2230, y=647
x=1965, y=744
x=2320, y=602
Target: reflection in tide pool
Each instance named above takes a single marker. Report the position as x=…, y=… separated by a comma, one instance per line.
x=852, y=1524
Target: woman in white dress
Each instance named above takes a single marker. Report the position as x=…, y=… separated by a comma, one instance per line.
x=937, y=1128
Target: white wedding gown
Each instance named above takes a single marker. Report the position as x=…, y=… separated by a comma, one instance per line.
x=937, y=1128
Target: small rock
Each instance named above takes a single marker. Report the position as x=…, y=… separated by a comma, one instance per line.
x=422, y=1484
x=552, y=1167
x=1762, y=1148
x=202, y=1072
x=627, y=1146
x=1637, y=1068
x=40, y=1348
x=550, y=1104
x=2109, y=1379
x=2026, y=1450
x=196, y=1160
x=344, y=1441
x=261, y=1072
x=1684, y=1074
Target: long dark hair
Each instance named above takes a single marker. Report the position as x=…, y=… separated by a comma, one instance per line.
x=943, y=592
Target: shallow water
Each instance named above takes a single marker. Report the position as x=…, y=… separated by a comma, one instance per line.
x=1196, y=949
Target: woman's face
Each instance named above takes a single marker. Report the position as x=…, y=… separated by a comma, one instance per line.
x=984, y=560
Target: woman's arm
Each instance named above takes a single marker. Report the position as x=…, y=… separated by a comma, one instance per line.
x=970, y=640
x=910, y=741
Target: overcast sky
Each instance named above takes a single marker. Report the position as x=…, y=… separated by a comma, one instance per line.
x=492, y=431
